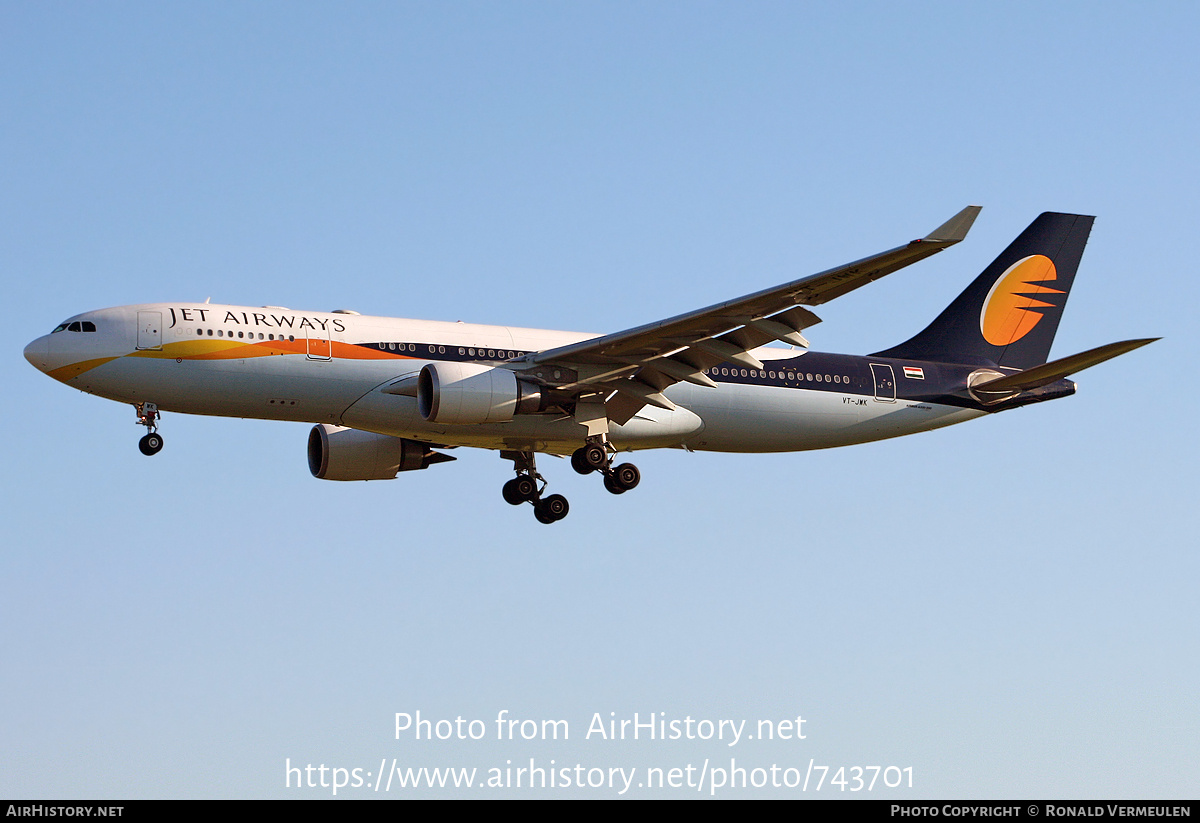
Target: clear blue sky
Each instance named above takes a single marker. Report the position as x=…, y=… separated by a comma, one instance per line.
x=1007, y=606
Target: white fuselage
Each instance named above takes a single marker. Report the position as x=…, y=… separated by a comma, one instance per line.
x=280, y=364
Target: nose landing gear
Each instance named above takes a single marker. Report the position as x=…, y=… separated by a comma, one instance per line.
x=151, y=444
x=148, y=415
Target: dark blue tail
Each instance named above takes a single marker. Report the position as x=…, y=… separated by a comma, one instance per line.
x=1009, y=314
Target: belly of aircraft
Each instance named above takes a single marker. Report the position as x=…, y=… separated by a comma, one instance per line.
x=269, y=388
x=734, y=418
x=774, y=419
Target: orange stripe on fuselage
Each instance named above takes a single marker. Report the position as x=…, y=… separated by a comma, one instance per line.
x=235, y=350
x=73, y=370
x=229, y=350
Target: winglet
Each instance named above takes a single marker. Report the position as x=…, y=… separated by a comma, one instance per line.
x=955, y=229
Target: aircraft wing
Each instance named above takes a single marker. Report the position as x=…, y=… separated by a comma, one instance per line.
x=639, y=363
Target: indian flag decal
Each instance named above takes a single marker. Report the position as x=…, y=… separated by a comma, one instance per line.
x=913, y=373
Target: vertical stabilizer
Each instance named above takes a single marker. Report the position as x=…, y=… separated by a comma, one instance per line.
x=1009, y=314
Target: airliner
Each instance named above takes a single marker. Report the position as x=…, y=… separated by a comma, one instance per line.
x=390, y=395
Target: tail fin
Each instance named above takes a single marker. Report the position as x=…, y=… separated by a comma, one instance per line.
x=1009, y=314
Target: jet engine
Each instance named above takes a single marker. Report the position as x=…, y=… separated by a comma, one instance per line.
x=338, y=453
x=471, y=393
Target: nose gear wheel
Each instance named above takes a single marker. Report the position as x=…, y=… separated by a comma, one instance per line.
x=148, y=416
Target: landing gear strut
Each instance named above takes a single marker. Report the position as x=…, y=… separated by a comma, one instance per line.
x=147, y=415
x=594, y=456
x=527, y=487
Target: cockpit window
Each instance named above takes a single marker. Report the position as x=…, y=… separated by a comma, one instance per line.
x=85, y=325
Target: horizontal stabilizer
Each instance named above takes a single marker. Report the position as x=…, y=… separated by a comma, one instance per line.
x=1056, y=370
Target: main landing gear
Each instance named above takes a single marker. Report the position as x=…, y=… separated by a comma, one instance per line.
x=147, y=415
x=594, y=457
x=527, y=487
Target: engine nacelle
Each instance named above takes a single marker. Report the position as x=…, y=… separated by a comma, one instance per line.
x=337, y=453
x=471, y=393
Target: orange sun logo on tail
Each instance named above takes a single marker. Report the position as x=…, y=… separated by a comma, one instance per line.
x=1011, y=309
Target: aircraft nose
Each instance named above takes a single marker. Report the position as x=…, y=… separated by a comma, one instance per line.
x=37, y=353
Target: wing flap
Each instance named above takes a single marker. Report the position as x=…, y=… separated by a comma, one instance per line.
x=680, y=371
x=647, y=394
x=779, y=331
